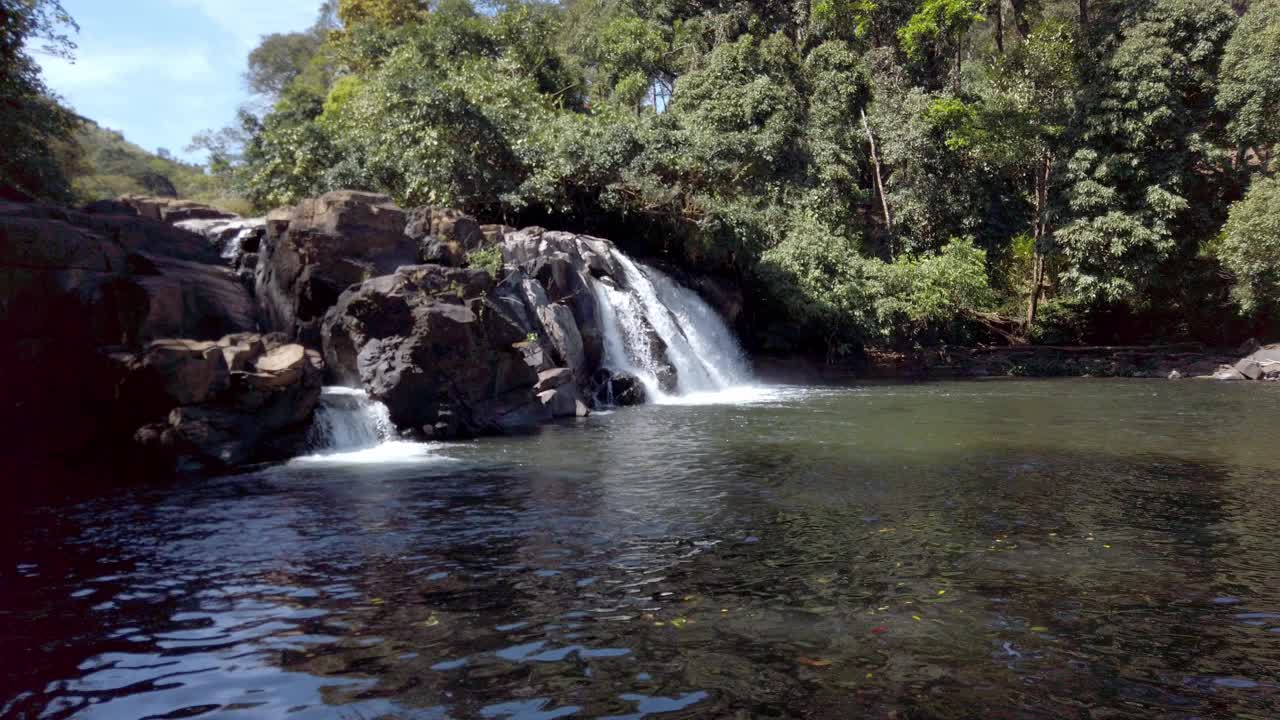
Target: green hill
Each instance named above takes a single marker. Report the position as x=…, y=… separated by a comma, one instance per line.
x=108, y=166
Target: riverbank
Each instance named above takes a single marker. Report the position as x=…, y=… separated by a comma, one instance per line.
x=1250, y=362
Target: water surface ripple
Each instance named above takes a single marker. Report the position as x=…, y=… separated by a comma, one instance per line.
x=1073, y=549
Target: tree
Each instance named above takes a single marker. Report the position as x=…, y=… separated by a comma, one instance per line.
x=1144, y=152
x=381, y=12
x=938, y=24
x=1250, y=90
x=35, y=127
x=278, y=60
x=1250, y=249
x=1023, y=127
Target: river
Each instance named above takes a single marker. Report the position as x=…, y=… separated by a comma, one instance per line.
x=1001, y=549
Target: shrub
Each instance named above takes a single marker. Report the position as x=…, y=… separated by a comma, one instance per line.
x=1250, y=248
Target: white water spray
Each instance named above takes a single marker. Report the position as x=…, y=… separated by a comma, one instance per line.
x=229, y=235
x=707, y=358
x=349, y=420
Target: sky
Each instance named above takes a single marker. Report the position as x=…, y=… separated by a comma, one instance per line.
x=162, y=70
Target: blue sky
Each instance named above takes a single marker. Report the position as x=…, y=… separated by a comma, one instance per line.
x=162, y=70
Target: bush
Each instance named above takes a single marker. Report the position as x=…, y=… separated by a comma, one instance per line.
x=935, y=292
x=826, y=287
x=822, y=285
x=488, y=259
x=1250, y=249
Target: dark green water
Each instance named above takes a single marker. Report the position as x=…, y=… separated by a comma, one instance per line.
x=1074, y=549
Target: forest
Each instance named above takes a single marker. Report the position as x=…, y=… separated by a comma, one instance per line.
x=889, y=173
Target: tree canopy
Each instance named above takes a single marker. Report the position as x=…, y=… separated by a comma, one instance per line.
x=887, y=172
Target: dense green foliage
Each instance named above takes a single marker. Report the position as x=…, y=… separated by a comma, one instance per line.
x=1250, y=246
x=109, y=166
x=36, y=129
x=873, y=172
x=1085, y=154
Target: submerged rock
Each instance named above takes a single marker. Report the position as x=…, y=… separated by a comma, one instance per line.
x=617, y=389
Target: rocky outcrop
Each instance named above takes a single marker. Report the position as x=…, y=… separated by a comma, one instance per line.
x=436, y=350
x=110, y=323
x=138, y=323
x=444, y=236
x=563, y=265
x=1262, y=364
x=218, y=417
x=317, y=250
x=172, y=210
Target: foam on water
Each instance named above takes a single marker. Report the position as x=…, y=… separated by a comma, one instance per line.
x=388, y=453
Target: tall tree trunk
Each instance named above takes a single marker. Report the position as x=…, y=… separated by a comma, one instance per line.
x=884, y=199
x=1037, y=282
x=959, y=63
x=997, y=7
x=1084, y=14
x=1020, y=19
x=1040, y=233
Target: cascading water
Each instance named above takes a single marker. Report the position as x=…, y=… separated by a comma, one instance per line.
x=351, y=429
x=349, y=420
x=653, y=325
x=228, y=235
x=235, y=246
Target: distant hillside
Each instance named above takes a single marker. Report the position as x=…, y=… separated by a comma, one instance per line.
x=109, y=166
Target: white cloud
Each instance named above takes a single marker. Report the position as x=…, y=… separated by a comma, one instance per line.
x=249, y=20
x=101, y=68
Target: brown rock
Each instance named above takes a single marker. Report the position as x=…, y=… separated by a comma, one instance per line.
x=188, y=372
x=552, y=379
x=328, y=244
x=241, y=350
x=281, y=367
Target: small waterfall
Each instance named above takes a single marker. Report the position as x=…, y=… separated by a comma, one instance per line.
x=653, y=311
x=235, y=245
x=228, y=235
x=349, y=420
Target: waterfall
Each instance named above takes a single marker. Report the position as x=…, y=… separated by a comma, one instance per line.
x=235, y=245
x=227, y=235
x=348, y=420
x=652, y=324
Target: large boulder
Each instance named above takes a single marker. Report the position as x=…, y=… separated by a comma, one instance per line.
x=557, y=320
x=130, y=232
x=1263, y=364
x=430, y=344
x=193, y=300
x=172, y=210
x=326, y=245
x=83, y=298
x=568, y=282
x=187, y=372
x=564, y=264
x=259, y=413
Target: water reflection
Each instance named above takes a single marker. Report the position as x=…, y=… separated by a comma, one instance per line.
x=946, y=551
